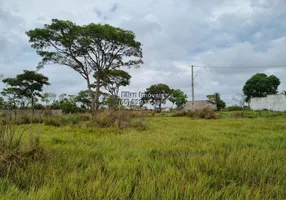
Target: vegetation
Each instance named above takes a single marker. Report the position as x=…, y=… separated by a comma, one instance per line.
x=217, y=100
x=112, y=81
x=175, y=158
x=199, y=114
x=26, y=85
x=114, y=153
x=15, y=152
x=179, y=98
x=93, y=48
x=260, y=85
x=156, y=95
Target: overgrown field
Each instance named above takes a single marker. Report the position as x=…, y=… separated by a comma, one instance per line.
x=174, y=158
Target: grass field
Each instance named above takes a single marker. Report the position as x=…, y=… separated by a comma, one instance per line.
x=175, y=158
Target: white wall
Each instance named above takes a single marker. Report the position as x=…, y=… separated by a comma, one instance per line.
x=271, y=102
x=199, y=105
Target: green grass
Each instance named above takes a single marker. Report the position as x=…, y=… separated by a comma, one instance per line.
x=175, y=158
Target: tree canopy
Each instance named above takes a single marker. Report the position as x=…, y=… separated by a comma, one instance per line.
x=112, y=81
x=260, y=85
x=179, y=98
x=156, y=95
x=29, y=84
x=115, y=79
x=86, y=49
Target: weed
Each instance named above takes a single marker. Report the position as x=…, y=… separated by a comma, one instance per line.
x=15, y=153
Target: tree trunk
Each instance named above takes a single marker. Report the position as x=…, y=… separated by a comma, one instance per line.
x=97, y=92
x=92, y=96
x=160, y=107
x=32, y=103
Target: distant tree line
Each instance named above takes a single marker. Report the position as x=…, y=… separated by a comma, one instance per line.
x=98, y=52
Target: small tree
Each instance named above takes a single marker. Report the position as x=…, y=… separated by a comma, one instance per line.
x=49, y=98
x=156, y=95
x=28, y=84
x=179, y=98
x=260, y=85
x=216, y=99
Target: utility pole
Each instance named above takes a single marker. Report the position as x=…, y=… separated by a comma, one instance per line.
x=193, y=90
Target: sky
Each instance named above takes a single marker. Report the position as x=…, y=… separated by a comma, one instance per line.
x=226, y=41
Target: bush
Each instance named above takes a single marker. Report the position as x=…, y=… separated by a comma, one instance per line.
x=234, y=108
x=25, y=119
x=202, y=114
x=207, y=114
x=120, y=119
x=238, y=115
x=181, y=114
x=63, y=120
x=140, y=124
x=52, y=121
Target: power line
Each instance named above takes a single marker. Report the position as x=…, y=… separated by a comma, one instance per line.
x=244, y=66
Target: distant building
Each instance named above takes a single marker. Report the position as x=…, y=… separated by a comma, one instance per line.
x=200, y=104
x=271, y=102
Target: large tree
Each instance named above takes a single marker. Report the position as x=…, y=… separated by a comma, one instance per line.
x=179, y=98
x=156, y=95
x=28, y=84
x=260, y=85
x=217, y=100
x=86, y=49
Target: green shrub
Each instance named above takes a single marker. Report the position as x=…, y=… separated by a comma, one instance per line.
x=234, y=108
x=84, y=117
x=26, y=119
x=120, y=119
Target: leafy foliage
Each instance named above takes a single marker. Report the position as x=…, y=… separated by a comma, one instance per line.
x=179, y=98
x=114, y=79
x=156, y=95
x=260, y=85
x=93, y=47
x=84, y=99
x=28, y=84
x=67, y=103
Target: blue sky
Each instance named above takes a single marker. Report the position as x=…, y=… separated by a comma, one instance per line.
x=175, y=34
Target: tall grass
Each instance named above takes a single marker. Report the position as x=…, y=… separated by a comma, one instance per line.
x=15, y=151
x=175, y=158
